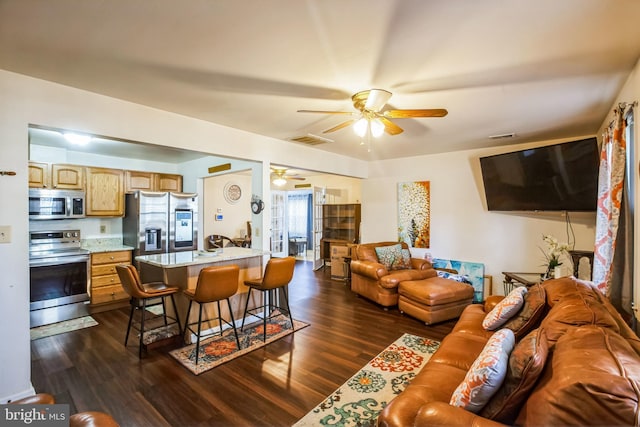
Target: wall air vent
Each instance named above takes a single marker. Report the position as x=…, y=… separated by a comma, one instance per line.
x=310, y=139
x=503, y=136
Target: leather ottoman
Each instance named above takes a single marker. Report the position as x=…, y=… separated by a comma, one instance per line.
x=435, y=299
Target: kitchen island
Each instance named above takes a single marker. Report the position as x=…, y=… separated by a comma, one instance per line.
x=181, y=269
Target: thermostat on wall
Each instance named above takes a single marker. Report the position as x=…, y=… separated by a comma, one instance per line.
x=218, y=217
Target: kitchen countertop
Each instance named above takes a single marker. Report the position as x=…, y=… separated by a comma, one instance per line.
x=188, y=258
x=104, y=245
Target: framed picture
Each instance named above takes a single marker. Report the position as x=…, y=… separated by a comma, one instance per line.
x=414, y=218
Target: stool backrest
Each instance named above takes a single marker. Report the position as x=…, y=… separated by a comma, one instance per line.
x=278, y=273
x=216, y=283
x=130, y=280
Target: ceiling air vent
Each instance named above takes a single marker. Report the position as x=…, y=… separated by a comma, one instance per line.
x=310, y=139
x=503, y=136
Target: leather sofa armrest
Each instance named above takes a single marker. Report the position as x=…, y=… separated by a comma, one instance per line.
x=373, y=270
x=491, y=302
x=420, y=264
x=443, y=414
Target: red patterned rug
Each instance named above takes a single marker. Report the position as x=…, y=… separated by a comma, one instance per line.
x=216, y=350
x=359, y=401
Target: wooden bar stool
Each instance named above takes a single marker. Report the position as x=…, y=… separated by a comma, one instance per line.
x=277, y=275
x=214, y=284
x=143, y=296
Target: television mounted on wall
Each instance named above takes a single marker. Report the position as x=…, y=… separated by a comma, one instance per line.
x=559, y=177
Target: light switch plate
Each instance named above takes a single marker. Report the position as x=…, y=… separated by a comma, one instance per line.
x=5, y=234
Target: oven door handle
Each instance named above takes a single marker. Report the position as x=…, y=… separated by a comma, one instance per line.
x=45, y=262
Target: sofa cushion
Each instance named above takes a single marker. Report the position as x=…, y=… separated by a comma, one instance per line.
x=505, y=309
x=575, y=310
x=525, y=366
x=391, y=257
x=531, y=313
x=592, y=377
x=486, y=373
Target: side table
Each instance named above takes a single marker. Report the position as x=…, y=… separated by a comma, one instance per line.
x=511, y=280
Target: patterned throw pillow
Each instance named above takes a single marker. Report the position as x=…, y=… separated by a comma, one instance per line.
x=505, y=309
x=486, y=374
x=391, y=257
x=525, y=366
x=532, y=311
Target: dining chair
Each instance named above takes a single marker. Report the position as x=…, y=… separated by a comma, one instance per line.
x=144, y=296
x=214, y=284
x=277, y=275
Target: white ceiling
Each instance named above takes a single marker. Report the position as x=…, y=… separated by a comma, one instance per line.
x=542, y=69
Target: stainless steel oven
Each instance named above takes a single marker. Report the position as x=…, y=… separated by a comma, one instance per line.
x=58, y=270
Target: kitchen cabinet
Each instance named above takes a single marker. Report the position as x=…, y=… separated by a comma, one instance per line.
x=106, y=287
x=152, y=181
x=59, y=176
x=67, y=177
x=39, y=175
x=105, y=192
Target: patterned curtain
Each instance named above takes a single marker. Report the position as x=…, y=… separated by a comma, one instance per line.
x=610, y=189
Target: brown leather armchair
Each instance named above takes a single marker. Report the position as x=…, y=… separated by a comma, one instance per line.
x=372, y=280
x=81, y=419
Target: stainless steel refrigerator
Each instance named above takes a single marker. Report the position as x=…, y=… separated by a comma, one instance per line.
x=183, y=222
x=160, y=222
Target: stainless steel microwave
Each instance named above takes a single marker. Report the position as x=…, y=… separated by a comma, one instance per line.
x=56, y=204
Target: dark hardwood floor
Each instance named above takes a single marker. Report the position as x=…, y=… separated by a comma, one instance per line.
x=276, y=385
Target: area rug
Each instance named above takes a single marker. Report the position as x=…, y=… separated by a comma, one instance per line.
x=359, y=401
x=62, y=327
x=216, y=350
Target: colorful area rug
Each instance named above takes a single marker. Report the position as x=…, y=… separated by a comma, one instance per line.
x=216, y=350
x=359, y=401
x=62, y=327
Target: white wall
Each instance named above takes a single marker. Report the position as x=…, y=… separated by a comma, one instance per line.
x=234, y=215
x=25, y=101
x=461, y=227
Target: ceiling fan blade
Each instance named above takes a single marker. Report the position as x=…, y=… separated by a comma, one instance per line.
x=326, y=112
x=296, y=178
x=406, y=114
x=390, y=127
x=340, y=126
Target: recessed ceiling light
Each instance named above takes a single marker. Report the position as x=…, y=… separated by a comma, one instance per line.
x=77, y=138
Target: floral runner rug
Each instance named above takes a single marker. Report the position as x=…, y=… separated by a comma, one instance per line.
x=359, y=401
x=62, y=327
x=217, y=349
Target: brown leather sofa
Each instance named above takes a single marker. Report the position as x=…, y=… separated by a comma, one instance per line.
x=81, y=419
x=372, y=280
x=584, y=368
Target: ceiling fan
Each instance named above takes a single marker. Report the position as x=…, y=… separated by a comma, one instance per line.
x=279, y=176
x=371, y=118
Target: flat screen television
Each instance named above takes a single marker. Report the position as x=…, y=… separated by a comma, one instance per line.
x=559, y=177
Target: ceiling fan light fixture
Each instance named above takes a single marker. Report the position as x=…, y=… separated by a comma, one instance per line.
x=377, y=128
x=360, y=127
x=279, y=181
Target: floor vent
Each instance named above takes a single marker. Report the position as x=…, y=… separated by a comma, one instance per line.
x=310, y=139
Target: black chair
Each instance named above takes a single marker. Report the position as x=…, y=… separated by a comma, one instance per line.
x=277, y=275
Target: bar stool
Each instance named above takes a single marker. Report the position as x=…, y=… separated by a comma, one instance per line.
x=143, y=296
x=214, y=284
x=277, y=275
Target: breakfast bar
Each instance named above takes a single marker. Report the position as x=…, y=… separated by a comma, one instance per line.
x=181, y=269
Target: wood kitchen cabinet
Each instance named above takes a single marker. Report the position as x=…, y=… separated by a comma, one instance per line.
x=152, y=181
x=106, y=287
x=59, y=176
x=105, y=192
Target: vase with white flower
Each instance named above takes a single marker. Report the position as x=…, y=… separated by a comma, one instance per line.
x=554, y=250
